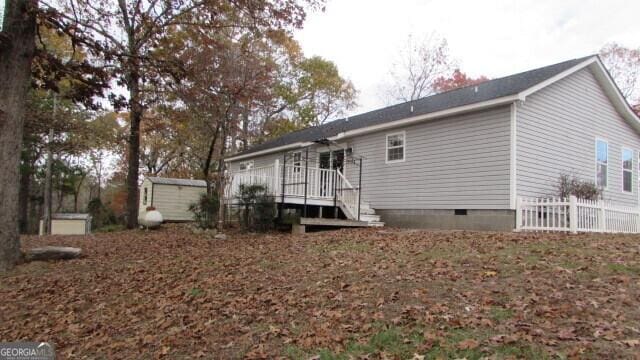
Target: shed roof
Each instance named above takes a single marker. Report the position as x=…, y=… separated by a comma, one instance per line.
x=70, y=216
x=178, y=182
x=483, y=92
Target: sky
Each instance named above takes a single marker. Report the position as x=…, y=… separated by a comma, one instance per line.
x=489, y=37
x=486, y=37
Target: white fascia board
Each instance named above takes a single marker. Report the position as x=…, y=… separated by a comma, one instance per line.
x=612, y=90
x=438, y=114
x=523, y=94
x=268, y=151
x=603, y=76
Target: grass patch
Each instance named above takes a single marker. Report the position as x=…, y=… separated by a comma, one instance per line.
x=195, y=292
x=499, y=314
x=390, y=340
x=345, y=246
x=110, y=228
x=270, y=265
x=520, y=351
x=623, y=269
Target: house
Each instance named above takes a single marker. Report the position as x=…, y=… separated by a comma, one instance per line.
x=458, y=159
x=171, y=197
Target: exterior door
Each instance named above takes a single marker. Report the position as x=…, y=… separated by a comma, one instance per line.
x=333, y=160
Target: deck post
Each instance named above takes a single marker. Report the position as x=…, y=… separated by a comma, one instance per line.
x=284, y=168
x=335, y=193
x=359, y=189
x=306, y=179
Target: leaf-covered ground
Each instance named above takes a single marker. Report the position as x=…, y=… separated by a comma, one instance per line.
x=370, y=293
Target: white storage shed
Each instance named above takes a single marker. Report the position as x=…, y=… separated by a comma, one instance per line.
x=171, y=197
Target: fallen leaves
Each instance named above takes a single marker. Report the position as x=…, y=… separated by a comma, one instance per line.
x=468, y=344
x=168, y=293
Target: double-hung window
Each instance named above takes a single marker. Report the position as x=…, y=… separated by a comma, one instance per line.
x=297, y=161
x=627, y=170
x=602, y=163
x=246, y=165
x=395, y=147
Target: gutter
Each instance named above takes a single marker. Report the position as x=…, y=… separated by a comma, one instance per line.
x=438, y=114
x=403, y=122
x=268, y=151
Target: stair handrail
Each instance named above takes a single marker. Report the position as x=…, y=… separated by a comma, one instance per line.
x=348, y=198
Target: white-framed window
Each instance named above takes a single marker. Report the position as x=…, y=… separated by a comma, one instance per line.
x=602, y=163
x=627, y=170
x=144, y=198
x=297, y=161
x=246, y=165
x=395, y=147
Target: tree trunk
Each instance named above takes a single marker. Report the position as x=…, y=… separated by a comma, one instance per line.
x=25, y=190
x=46, y=218
x=221, y=178
x=245, y=128
x=206, y=171
x=134, y=150
x=17, y=45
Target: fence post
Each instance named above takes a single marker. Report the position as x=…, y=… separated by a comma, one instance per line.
x=518, y=213
x=603, y=217
x=573, y=214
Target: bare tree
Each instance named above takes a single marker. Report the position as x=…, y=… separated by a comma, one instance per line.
x=419, y=63
x=624, y=66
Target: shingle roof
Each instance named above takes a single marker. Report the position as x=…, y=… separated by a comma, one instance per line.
x=489, y=90
x=180, y=182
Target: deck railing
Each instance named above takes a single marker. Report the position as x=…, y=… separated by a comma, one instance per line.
x=264, y=175
x=300, y=182
x=349, y=196
x=576, y=215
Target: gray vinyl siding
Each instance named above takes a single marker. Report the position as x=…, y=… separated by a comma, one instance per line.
x=557, y=129
x=459, y=162
x=269, y=159
x=258, y=161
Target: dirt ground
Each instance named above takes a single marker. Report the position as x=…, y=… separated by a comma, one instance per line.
x=360, y=294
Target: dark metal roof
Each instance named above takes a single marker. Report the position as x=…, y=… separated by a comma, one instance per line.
x=70, y=216
x=489, y=90
x=179, y=182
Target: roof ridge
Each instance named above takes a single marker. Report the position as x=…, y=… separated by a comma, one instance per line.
x=462, y=88
x=491, y=89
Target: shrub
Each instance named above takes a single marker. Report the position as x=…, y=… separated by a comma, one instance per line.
x=101, y=215
x=110, y=228
x=571, y=185
x=257, y=208
x=205, y=211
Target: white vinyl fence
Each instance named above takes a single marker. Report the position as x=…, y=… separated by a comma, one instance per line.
x=575, y=215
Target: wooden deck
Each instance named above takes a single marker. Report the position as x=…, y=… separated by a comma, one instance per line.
x=313, y=186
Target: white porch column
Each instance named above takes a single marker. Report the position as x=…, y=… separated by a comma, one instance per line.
x=276, y=177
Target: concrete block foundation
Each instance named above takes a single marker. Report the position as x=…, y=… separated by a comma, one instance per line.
x=488, y=220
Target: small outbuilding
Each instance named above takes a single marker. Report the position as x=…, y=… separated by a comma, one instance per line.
x=68, y=224
x=171, y=197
